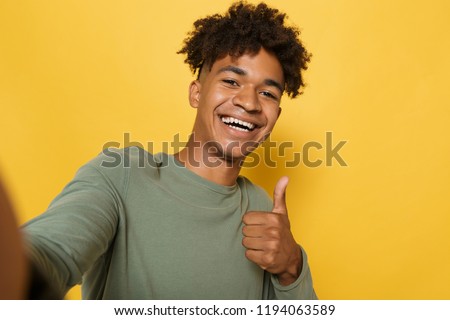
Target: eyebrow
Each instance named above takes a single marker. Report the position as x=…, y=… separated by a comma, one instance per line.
x=242, y=72
x=273, y=83
x=234, y=69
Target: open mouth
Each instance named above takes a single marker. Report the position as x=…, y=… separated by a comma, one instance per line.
x=238, y=124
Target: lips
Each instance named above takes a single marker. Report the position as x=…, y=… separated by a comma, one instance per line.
x=238, y=124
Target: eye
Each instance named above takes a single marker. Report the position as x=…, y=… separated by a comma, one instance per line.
x=269, y=95
x=231, y=82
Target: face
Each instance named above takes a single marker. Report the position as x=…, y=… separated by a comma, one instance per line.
x=238, y=103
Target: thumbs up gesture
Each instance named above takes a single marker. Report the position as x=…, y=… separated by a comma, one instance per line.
x=269, y=240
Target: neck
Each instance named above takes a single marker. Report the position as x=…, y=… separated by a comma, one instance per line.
x=212, y=167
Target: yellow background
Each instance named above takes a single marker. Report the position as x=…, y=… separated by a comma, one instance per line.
x=77, y=74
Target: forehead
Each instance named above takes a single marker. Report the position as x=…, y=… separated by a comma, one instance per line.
x=262, y=64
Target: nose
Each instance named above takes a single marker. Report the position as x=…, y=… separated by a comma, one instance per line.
x=247, y=99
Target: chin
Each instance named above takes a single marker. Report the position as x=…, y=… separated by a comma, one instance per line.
x=233, y=151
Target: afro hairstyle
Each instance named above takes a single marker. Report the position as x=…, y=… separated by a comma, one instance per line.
x=244, y=29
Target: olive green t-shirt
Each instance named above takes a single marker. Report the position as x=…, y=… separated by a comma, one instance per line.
x=132, y=225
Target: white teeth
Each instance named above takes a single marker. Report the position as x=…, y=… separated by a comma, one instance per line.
x=239, y=129
x=230, y=120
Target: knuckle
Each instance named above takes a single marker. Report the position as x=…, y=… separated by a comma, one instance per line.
x=274, y=233
x=273, y=246
x=248, y=217
x=268, y=260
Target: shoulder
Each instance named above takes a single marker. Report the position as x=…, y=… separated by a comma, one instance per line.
x=111, y=158
x=114, y=166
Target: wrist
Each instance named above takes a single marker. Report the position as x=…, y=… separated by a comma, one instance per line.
x=294, y=268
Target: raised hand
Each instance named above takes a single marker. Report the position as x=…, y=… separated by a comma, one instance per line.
x=269, y=240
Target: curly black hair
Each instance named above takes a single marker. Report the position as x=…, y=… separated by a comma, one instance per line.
x=245, y=28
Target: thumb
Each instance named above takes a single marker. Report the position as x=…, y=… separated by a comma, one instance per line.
x=279, y=196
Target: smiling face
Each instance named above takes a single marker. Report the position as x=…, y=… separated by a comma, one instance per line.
x=238, y=103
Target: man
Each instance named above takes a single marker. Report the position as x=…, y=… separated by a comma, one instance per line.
x=187, y=226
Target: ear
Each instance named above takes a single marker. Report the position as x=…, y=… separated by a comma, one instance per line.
x=279, y=112
x=194, y=93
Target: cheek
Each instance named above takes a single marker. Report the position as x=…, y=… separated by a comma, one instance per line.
x=213, y=96
x=272, y=116
x=209, y=103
